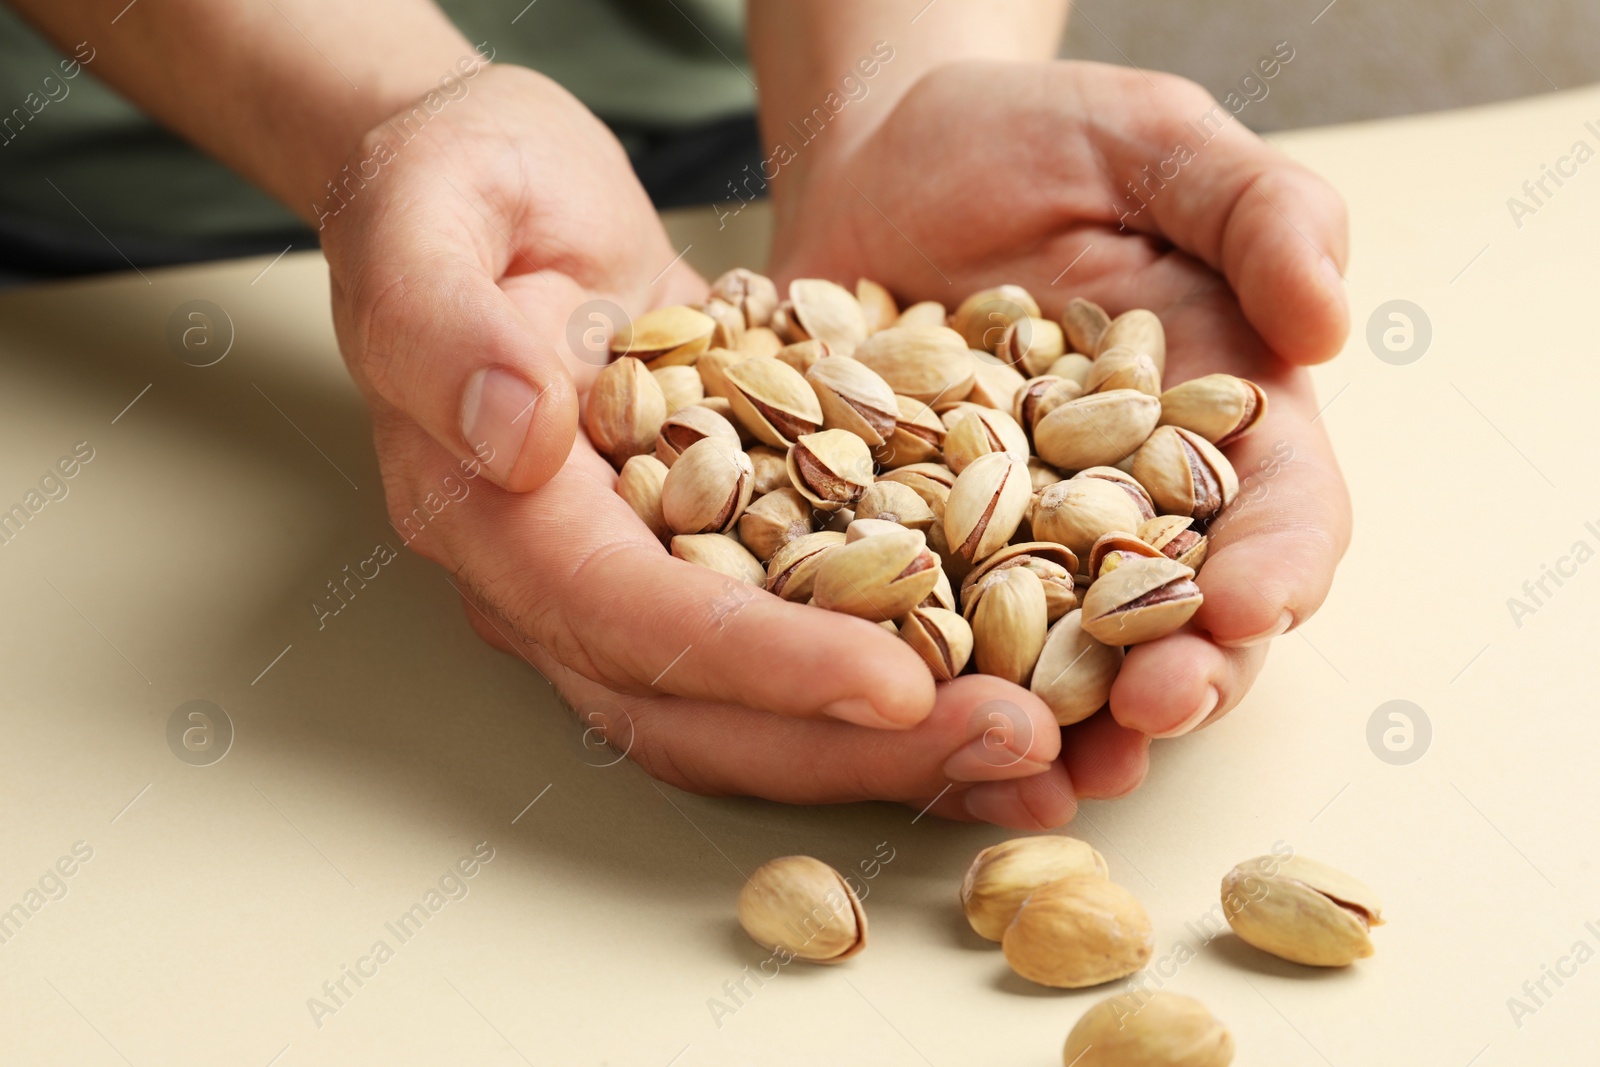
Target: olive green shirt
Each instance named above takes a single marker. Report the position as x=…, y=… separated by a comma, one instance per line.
x=70, y=144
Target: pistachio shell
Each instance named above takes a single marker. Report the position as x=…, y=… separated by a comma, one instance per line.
x=895, y=502
x=720, y=553
x=1074, y=673
x=625, y=411
x=1174, y=536
x=1073, y=366
x=854, y=398
x=792, y=571
x=708, y=488
x=924, y=313
x=983, y=317
x=1031, y=345
x=1301, y=910
x=1141, y=600
x=712, y=367
x=1008, y=626
x=640, y=485
x=1041, y=474
x=994, y=384
x=1084, y=322
x=877, y=305
x=1148, y=1029
x=860, y=528
x=1127, y=483
x=759, y=341
x=943, y=595
x=1053, y=564
x=1001, y=877
x=801, y=906
x=773, y=520
x=1077, y=932
x=941, y=637
x=680, y=385
x=829, y=313
x=1096, y=430
x=1040, y=396
x=1114, y=549
x=771, y=469
x=986, y=505
x=729, y=330
x=878, y=577
x=1218, y=407
x=666, y=336
x=1139, y=330
x=981, y=433
x=803, y=355
x=1123, y=368
x=752, y=293
x=1079, y=511
x=785, y=325
x=1185, y=473
x=926, y=363
x=953, y=411
x=917, y=436
x=831, y=468
x=688, y=425
x=772, y=400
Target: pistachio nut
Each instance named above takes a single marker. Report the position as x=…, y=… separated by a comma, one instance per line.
x=1031, y=345
x=785, y=325
x=943, y=595
x=772, y=400
x=941, y=637
x=1127, y=483
x=981, y=433
x=712, y=367
x=1141, y=600
x=803, y=355
x=753, y=294
x=1148, y=1029
x=854, y=398
x=1096, y=430
x=759, y=341
x=665, y=336
x=931, y=481
x=1301, y=910
x=1139, y=330
x=829, y=313
x=1054, y=565
x=877, y=578
x=1084, y=322
x=1185, y=473
x=926, y=363
x=625, y=411
x=802, y=907
x=1115, y=549
x=680, y=385
x=720, y=553
x=895, y=502
x=1009, y=624
x=1040, y=396
x=729, y=330
x=708, y=488
x=1218, y=407
x=1080, y=511
x=721, y=406
x=953, y=411
x=831, y=468
x=986, y=505
x=1123, y=368
x=1175, y=538
x=877, y=305
x=859, y=528
x=1041, y=474
x=773, y=520
x=640, y=485
x=688, y=425
x=771, y=469
x=994, y=385
x=1001, y=877
x=982, y=317
x=1073, y=366
x=792, y=571
x=917, y=436
x=1074, y=673
x=1079, y=931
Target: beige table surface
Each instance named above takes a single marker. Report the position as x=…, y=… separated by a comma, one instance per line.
x=369, y=756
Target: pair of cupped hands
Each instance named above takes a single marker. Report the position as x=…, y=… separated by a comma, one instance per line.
x=454, y=277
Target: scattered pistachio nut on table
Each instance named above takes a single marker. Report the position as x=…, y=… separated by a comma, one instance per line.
x=1301, y=910
x=1148, y=1029
x=1002, y=876
x=804, y=908
x=1038, y=498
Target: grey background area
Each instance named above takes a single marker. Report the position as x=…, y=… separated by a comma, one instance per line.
x=1359, y=59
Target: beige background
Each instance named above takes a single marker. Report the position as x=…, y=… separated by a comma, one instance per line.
x=370, y=756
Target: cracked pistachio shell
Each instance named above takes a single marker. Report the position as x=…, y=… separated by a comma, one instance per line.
x=923, y=313
x=1140, y=600
x=1041, y=474
x=785, y=325
x=753, y=294
x=640, y=485
x=986, y=505
x=712, y=367
x=980, y=433
x=1097, y=430
x=1114, y=549
x=931, y=481
x=1301, y=910
x=1074, y=673
x=800, y=905
x=1080, y=511
x=917, y=436
x=983, y=317
x=680, y=385
x=1175, y=538
x=941, y=637
x=792, y=571
x=854, y=398
x=771, y=469
x=1077, y=932
x=1185, y=473
x=829, y=313
x=666, y=336
x=721, y=406
x=803, y=355
x=625, y=411
x=1002, y=876
x=877, y=305
x=1148, y=1029
x=926, y=363
x=1218, y=407
x=720, y=553
x=688, y=425
x=708, y=488
x=994, y=384
x=954, y=411
x=1139, y=330
x=1054, y=565
x=1074, y=367
x=773, y=520
x=895, y=502
x=729, y=329
x=759, y=341
x=1084, y=322
x=1031, y=345
x=1123, y=368
x=772, y=400
x=1040, y=396
x=943, y=595
x=877, y=578
x=831, y=468
x=1127, y=483
x=1009, y=624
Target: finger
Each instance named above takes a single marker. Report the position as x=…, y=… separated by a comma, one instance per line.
x=1170, y=687
x=1042, y=802
x=1104, y=758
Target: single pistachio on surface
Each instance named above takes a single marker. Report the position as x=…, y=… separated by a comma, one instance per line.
x=708, y=488
x=753, y=294
x=1084, y=322
x=1127, y=483
x=981, y=433
x=759, y=341
x=625, y=411
x=854, y=398
x=1074, y=673
x=1185, y=473
x=1218, y=407
x=1115, y=549
x=1139, y=330
x=926, y=363
x=1041, y=474
x=1040, y=396
x=941, y=637
x=792, y=571
x=1074, y=366
x=1009, y=624
x=1054, y=565
x=1002, y=876
x=712, y=367
x=680, y=385
x=773, y=520
x=771, y=469
x=1301, y=910
x=923, y=313
x=831, y=468
x=1145, y=1029
x=1096, y=430
x=640, y=485
x=917, y=436
x=877, y=305
x=800, y=906
x=666, y=336
x=986, y=505
x=878, y=577
x=803, y=355
x=994, y=384
x=1140, y=600
x=982, y=317
x=1031, y=345
x=1079, y=511
x=829, y=313
x=729, y=330
x=1078, y=931
x=688, y=425
x=895, y=502
x=1176, y=539
x=720, y=553
x=773, y=400
x=1123, y=368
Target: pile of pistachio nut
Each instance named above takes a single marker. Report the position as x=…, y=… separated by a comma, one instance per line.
x=1005, y=491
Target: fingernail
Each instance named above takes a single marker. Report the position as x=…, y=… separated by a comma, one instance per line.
x=1285, y=621
x=496, y=412
x=1208, y=704
x=859, y=711
x=981, y=761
